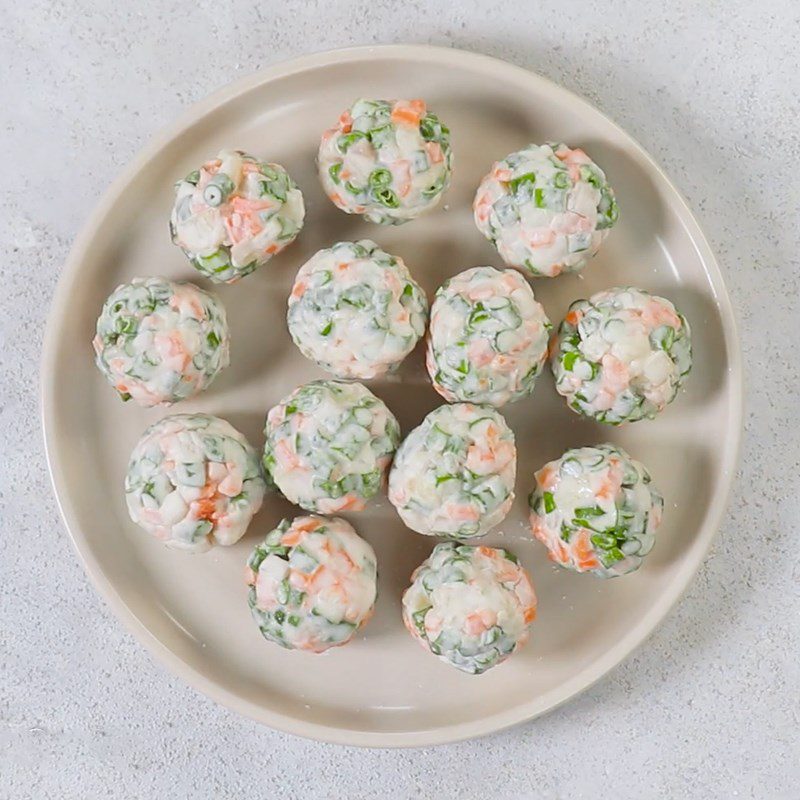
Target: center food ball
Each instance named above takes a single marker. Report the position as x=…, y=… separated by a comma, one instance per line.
x=488, y=337
x=621, y=355
x=313, y=583
x=160, y=342
x=355, y=310
x=470, y=606
x=546, y=209
x=234, y=213
x=329, y=444
x=454, y=474
x=387, y=160
x=193, y=481
x=596, y=510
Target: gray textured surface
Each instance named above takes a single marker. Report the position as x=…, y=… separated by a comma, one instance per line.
x=708, y=708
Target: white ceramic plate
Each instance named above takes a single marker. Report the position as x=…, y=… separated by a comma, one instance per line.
x=191, y=611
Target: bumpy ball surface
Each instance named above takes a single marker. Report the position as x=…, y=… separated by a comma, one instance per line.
x=470, y=606
x=488, y=337
x=454, y=474
x=313, y=583
x=234, y=213
x=546, y=209
x=329, y=444
x=193, y=481
x=596, y=510
x=389, y=161
x=356, y=311
x=160, y=342
x=621, y=355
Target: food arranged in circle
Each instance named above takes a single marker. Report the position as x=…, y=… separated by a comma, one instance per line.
x=488, y=337
x=389, y=161
x=596, y=510
x=234, y=213
x=454, y=474
x=621, y=355
x=546, y=209
x=313, y=583
x=193, y=481
x=356, y=311
x=329, y=444
x=470, y=606
x=159, y=342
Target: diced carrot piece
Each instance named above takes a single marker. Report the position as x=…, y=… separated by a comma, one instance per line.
x=405, y=116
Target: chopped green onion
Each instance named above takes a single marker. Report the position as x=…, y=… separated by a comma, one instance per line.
x=515, y=183
x=387, y=198
x=379, y=178
x=345, y=141
x=561, y=179
x=334, y=171
x=589, y=511
x=569, y=358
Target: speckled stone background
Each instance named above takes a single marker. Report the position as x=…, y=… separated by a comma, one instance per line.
x=709, y=707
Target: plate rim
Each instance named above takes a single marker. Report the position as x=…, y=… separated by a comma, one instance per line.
x=181, y=668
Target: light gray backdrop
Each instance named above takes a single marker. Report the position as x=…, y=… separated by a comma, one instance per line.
x=708, y=708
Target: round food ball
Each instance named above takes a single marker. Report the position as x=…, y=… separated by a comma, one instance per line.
x=356, y=311
x=235, y=213
x=193, y=481
x=546, y=209
x=596, y=510
x=470, y=606
x=160, y=342
x=453, y=475
x=488, y=337
x=313, y=583
x=389, y=161
x=329, y=444
x=621, y=355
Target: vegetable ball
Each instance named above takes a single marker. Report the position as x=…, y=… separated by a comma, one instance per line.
x=546, y=209
x=596, y=510
x=193, y=481
x=160, y=342
x=234, y=213
x=356, y=311
x=454, y=474
x=313, y=583
x=470, y=606
x=389, y=161
x=488, y=337
x=621, y=355
x=329, y=444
